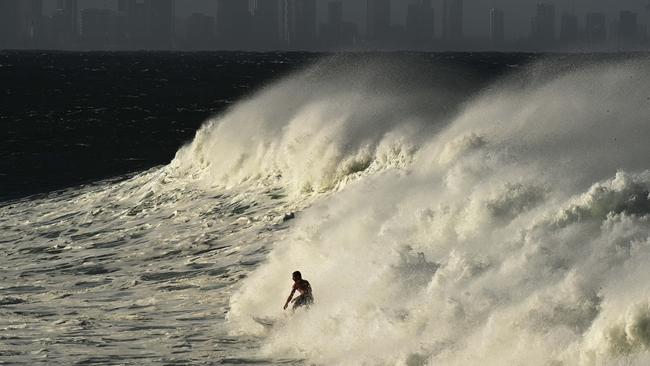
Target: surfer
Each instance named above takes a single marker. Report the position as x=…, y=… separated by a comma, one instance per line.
x=305, y=298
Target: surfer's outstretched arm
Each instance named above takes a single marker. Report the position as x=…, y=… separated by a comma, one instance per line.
x=293, y=290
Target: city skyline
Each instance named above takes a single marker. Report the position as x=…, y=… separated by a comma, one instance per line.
x=320, y=25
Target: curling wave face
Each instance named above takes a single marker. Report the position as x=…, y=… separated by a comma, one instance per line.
x=436, y=226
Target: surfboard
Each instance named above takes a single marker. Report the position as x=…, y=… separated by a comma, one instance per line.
x=267, y=322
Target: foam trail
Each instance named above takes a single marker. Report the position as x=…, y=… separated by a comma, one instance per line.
x=530, y=211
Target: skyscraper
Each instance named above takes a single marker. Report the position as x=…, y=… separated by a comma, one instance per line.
x=149, y=23
x=69, y=10
x=122, y=6
x=543, y=25
x=233, y=23
x=337, y=33
x=335, y=12
x=200, y=32
x=569, y=29
x=596, y=28
x=20, y=22
x=420, y=21
x=497, y=27
x=138, y=26
x=627, y=26
x=266, y=24
x=66, y=23
x=96, y=27
x=377, y=19
x=162, y=23
x=452, y=20
x=9, y=23
x=298, y=23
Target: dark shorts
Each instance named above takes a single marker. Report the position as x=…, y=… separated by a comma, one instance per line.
x=303, y=300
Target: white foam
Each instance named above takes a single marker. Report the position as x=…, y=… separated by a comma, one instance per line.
x=534, y=204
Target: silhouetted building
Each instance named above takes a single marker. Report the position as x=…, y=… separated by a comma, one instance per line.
x=596, y=28
x=266, y=24
x=336, y=33
x=233, y=24
x=298, y=23
x=7, y=29
x=335, y=12
x=21, y=23
x=122, y=6
x=200, y=32
x=569, y=28
x=543, y=25
x=162, y=13
x=378, y=19
x=138, y=22
x=497, y=27
x=97, y=28
x=452, y=20
x=36, y=22
x=628, y=26
x=148, y=23
x=11, y=27
x=68, y=22
x=420, y=21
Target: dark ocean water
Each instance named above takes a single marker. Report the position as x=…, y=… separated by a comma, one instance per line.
x=72, y=118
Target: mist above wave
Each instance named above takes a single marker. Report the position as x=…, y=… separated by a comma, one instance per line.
x=513, y=230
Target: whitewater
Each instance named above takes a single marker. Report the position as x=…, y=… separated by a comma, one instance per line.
x=508, y=225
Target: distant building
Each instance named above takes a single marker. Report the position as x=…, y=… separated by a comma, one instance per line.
x=335, y=12
x=298, y=23
x=69, y=13
x=452, y=20
x=122, y=6
x=138, y=22
x=628, y=27
x=497, y=27
x=266, y=24
x=161, y=23
x=233, y=24
x=97, y=28
x=569, y=28
x=596, y=28
x=378, y=25
x=543, y=25
x=36, y=22
x=200, y=32
x=420, y=21
x=21, y=23
x=337, y=33
x=148, y=23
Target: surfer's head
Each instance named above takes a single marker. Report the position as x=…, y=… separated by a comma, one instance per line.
x=297, y=276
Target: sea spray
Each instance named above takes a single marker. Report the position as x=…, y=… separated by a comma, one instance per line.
x=531, y=206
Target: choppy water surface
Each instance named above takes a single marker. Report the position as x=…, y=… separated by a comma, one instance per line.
x=444, y=215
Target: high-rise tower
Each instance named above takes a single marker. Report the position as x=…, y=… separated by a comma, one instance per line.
x=377, y=19
x=452, y=20
x=497, y=27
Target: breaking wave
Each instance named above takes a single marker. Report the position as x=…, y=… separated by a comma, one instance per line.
x=514, y=231
x=437, y=226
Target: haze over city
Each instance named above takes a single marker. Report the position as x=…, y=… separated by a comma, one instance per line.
x=322, y=25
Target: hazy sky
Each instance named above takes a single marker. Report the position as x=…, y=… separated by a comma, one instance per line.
x=517, y=12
